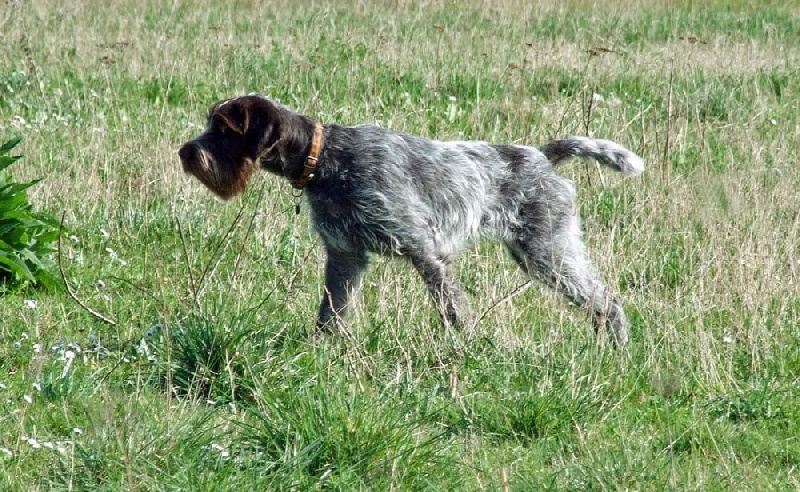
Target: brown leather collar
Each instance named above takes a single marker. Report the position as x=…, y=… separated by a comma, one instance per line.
x=311, y=161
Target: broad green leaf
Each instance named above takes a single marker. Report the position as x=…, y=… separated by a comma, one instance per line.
x=26, y=237
x=6, y=147
x=7, y=160
x=14, y=265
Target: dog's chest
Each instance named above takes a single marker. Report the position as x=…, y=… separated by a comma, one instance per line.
x=345, y=226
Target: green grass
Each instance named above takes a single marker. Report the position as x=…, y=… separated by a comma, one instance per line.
x=208, y=377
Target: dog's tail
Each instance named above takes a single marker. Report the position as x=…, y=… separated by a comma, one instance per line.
x=606, y=152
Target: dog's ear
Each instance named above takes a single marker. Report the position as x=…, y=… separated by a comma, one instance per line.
x=232, y=115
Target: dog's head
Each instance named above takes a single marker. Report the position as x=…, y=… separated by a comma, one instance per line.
x=242, y=134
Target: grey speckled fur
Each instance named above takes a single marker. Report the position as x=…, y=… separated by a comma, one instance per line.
x=381, y=191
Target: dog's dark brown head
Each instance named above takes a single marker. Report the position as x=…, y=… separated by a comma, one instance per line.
x=244, y=134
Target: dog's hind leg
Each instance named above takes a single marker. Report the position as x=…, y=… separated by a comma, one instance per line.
x=450, y=301
x=343, y=274
x=552, y=251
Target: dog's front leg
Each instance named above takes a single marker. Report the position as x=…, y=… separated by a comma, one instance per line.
x=343, y=274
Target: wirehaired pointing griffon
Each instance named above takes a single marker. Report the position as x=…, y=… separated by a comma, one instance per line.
x=373, y=190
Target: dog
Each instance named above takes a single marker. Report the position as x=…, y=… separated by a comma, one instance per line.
x=373, y=190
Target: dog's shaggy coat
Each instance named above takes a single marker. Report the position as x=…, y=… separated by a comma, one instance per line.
x=377, y=190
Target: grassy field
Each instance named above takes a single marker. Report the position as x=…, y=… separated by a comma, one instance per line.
x=205, y=376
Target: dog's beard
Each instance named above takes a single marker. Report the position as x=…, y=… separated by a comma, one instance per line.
x=225, y=183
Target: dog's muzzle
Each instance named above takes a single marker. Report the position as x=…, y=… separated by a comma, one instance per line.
x=192, y=158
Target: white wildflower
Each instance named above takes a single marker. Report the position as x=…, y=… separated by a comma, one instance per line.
x=69, y=356
x=115, y=257
x=222, y=451
x=30, y=304
x=18, y=122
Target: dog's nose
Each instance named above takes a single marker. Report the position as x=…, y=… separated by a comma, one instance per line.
x=188, y=154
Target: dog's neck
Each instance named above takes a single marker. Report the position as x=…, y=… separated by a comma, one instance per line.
x=310, y=164
x=296, y=152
